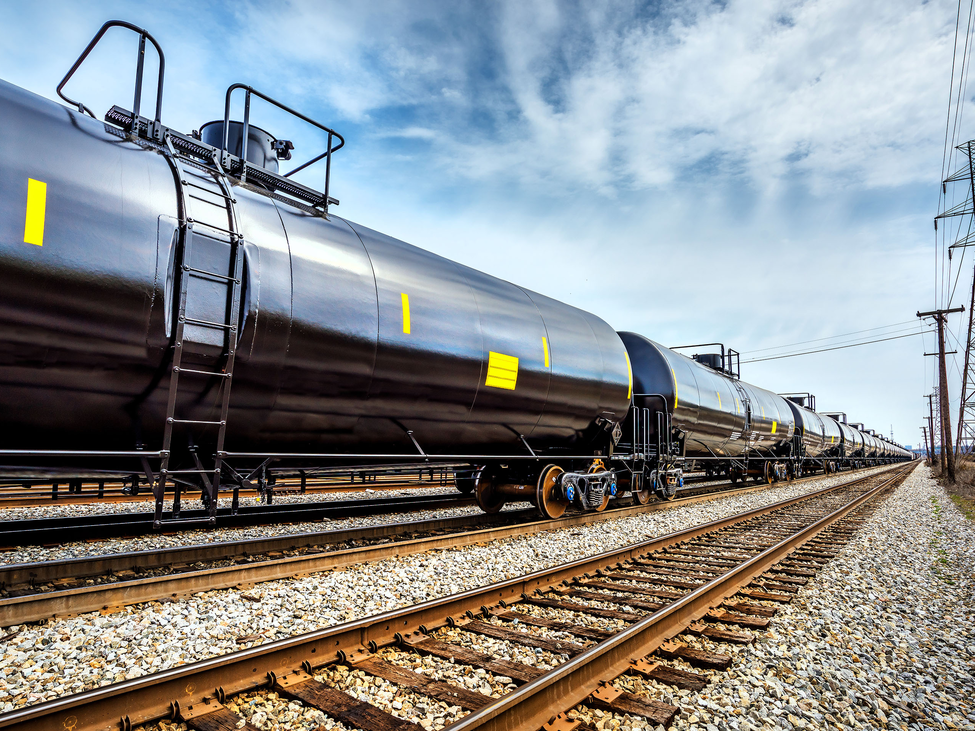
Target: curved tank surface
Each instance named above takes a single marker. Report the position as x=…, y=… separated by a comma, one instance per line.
x=720, y=415
x=348, y=338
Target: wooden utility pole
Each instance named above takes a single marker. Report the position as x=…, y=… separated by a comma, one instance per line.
x=941, y=316
x=927, y=446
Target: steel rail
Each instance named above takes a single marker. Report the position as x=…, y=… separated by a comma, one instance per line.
x=118, y=525
x=536, y=702
x=100, y=597
x=140, y=700
x=32, y=498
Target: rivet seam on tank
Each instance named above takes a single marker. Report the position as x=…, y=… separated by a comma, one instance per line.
x=502, y=371
x=36, y=207
x=629, y=375
x=545, y=349
x=406, y=312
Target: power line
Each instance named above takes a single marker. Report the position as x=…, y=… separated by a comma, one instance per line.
x=831, y=337
x=837, y=347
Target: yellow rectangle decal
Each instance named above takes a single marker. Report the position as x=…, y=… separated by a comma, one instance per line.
x=36, y=207
x=502, y=371
x=775, y=425
x=629, y=375
x=406, y=313
x=545, y=348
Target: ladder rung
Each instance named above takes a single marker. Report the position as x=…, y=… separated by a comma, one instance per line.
x=196, y=372
x=224, y=277
x=212, y=192
x=233, y=234
x=207, y=323
x=215, y=204
x=171, y=420
x=189, y=472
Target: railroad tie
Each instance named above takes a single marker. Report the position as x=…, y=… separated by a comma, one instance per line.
x=662, y=568
x=765, y=596
x=609, y=586
x=608, y=698
x=693, y=656
x=591, y=633
x=214, y=717
x=585, y=609
x=699, y=629
x=753, y=609
x=682, y=679
x=652, y=580
x=621, y=600
x=559, y=647
x=738, y=620
x=339, y=705
x=518, y=672
x=455, y=695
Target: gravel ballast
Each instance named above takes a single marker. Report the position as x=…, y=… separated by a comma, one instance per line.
x=60, y=657
x=883, y=637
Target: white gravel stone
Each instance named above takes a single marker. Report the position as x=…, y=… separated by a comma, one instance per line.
x=65, y=656
x=883, y=637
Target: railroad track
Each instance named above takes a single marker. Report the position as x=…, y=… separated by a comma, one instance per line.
x=363, y=479
x=31, y=592
x=589, y=628
x=42, y=531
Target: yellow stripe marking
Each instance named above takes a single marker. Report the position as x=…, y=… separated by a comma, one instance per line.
x=36, y=206
x=775, y=425
x=406, y=313
x=675, y=386
x=629, y=375
x=719, y=398
x=502, y=371
x=545, y=348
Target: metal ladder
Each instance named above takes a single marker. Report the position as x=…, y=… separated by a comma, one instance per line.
x=210, y=285
x=746, y=404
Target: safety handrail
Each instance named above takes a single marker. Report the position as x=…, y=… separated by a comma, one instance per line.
x=248, y=91
x=140, y=67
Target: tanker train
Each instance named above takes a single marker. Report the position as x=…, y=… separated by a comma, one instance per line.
x=175, y=308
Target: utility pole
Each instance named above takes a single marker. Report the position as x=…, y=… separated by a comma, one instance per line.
x=927, y=446
x=941, y=317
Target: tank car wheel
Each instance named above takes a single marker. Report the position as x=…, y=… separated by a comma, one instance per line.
x=769, y=474
x=484, y=494
x=547, y=497
x=641, y=495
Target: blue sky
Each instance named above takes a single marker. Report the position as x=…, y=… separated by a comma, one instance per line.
x=758, y=173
